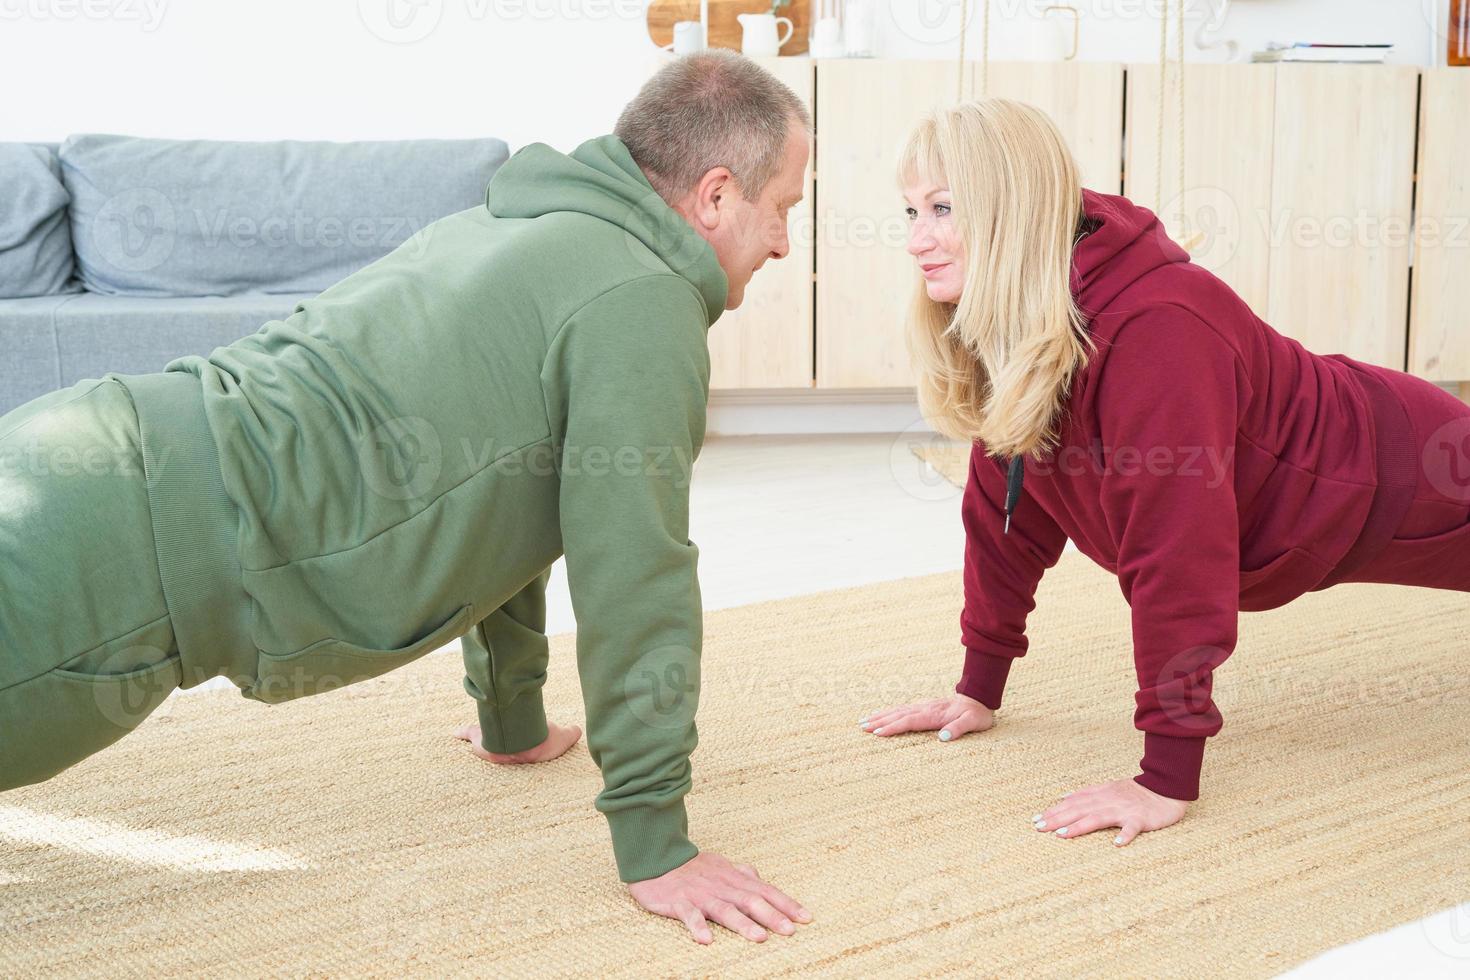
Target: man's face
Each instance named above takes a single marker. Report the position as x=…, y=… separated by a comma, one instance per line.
x=745, y=233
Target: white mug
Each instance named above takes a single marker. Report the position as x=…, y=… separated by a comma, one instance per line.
x=688, y=38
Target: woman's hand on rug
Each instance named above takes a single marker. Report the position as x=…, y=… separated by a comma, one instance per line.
x=709, y=887
x=953, y=716
x=558, y=740
x=1123, y=803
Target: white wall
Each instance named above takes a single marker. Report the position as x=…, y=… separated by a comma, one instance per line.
x=551, y=70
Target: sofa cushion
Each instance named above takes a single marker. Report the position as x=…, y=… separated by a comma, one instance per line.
x=29, y=367
x=140, y=334
x=155, y=217
x=35, y=238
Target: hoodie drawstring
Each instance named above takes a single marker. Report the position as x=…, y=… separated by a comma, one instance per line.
x=1013, y=488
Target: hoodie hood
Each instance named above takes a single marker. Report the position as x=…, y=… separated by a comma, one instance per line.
x=1121, y=243
x=600, y=178
x=1125, y=243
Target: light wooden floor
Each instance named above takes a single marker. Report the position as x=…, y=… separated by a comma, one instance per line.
x=778, y=516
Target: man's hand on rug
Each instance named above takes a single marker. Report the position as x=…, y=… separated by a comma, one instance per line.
x=709, y=887
x=1122, y=803
x=953, y=716
x=558, y=740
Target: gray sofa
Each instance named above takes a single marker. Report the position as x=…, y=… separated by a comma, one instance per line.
x=120, y=253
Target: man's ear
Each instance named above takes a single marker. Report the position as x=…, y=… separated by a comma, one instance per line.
x=712, y=194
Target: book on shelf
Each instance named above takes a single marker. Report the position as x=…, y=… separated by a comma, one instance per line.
x=1303, y=51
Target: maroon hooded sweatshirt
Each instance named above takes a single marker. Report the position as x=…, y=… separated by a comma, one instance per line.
x=1209, y=462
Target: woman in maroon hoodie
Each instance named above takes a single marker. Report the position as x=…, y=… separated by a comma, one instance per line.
x=1118, y=395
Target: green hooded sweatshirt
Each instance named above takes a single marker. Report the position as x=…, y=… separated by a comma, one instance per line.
x=412, y=449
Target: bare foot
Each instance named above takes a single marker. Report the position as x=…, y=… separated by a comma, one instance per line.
x=558, y=740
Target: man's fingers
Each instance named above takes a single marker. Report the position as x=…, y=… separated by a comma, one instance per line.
x=748, y=870
x=789, y=906
x=694, y=919
x=726, y=914
x=765, y=913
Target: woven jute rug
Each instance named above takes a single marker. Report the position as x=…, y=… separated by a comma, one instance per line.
x=350, y=834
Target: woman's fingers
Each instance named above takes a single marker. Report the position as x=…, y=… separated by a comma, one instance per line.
x=966, y=721
x=924, y=714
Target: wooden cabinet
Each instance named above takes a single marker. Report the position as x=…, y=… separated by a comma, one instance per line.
x=866, y=280
x=1439, y=306
x=1226, y=198
x=1299, y=190
x=1341, y=188
x=1298, y=178
x=865, y=276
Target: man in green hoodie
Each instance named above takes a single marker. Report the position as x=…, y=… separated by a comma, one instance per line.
x=400, y=461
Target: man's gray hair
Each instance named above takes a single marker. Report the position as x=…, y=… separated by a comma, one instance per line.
x=713, y=108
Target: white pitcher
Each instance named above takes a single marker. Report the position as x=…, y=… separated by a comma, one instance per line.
x=758, y=37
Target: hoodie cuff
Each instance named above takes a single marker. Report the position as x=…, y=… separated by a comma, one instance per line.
x=984, y=678
x=514, y=727
x=649, y=841
x=1171, y=765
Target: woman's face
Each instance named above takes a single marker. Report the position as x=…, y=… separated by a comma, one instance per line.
x=934, y=241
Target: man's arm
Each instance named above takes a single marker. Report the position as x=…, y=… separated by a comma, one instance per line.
x=631, y=370
x=505, y=659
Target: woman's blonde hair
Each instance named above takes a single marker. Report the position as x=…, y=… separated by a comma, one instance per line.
x=997, y=366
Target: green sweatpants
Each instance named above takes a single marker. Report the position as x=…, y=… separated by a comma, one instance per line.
x=87, y=648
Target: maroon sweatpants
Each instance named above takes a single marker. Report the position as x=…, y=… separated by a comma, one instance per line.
x=1431, y=546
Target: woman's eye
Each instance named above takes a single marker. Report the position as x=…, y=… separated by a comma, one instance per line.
x=944, y=206
x=911, y=213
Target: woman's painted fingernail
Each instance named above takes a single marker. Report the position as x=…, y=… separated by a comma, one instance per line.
x=877, y=731
x=1041, y=825
x=863, y=720
x=1061, y=830
x=1118, y=839
x=944, y=736
x=1036, y=818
